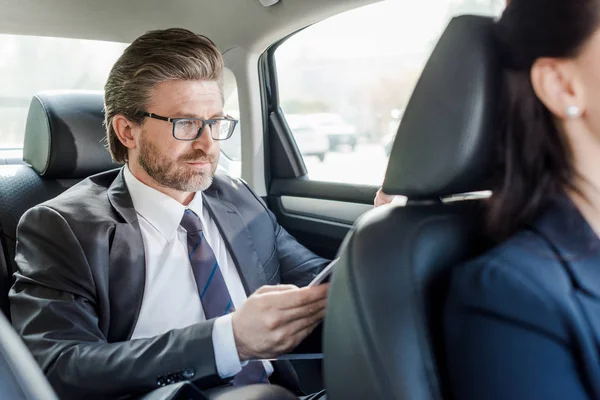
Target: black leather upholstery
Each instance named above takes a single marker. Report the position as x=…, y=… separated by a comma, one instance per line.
x=63, y=144
x=382, y=334
x=20, y=189
x=439, y=149
x=20, y=376
x=64, y=133
x=5, y=281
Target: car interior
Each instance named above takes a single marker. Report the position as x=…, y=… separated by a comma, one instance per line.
x=381, y=334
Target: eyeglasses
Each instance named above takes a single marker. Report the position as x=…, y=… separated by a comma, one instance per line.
x=192, y=128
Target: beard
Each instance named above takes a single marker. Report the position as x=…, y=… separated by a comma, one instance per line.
x=176, y=174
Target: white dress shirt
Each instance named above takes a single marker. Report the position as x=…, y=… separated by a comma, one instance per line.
x=171, y=299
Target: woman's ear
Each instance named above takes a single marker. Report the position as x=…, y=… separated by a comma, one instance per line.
x=125, y=130
x=556, y=85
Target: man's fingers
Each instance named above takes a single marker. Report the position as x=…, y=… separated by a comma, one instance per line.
x=298, y=330
x=299, y=325
x=275, y=288
x=376, y=201
x=300, y=297
x=293, y=314
x=303, y=327
x=381, y=198
x=315, y=320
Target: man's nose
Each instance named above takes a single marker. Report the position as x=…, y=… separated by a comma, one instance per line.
x=205, y=140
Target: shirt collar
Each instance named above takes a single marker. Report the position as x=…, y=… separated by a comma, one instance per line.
x=162, y=211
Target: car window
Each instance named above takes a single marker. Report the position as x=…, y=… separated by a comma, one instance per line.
x=29, y=64
x=344, y=82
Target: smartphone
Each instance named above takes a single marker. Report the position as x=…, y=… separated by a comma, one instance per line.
x=325, y=274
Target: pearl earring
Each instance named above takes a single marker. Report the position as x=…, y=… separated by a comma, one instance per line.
x=573, y=112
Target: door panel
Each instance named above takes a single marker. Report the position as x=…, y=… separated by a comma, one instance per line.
x=331, y=210
x=318, y=214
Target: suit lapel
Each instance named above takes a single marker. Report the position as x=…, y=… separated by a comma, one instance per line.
x=576, y=243
x=579, y=249
x=127, y=265
x=237, y=238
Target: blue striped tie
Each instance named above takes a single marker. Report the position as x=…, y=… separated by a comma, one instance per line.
x=212, y=288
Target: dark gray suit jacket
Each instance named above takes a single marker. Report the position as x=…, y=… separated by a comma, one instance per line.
x=80, y=283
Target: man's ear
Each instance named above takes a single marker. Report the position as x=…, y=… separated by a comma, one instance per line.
x=126, y=130
x=556, y=84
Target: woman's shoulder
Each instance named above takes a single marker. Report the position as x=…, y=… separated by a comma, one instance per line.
x=526, y=255
x=521, y=278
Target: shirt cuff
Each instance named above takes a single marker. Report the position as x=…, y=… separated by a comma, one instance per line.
x=226, y=355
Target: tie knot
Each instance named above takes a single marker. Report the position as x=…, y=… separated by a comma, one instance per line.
x=191, y=222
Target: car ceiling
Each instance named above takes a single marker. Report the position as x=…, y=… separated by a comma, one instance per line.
x=230, y=23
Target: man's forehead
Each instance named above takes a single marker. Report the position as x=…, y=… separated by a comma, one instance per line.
x=187, y=88
x=188, y=96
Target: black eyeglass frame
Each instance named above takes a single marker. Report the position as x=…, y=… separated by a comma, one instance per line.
x=205, y=123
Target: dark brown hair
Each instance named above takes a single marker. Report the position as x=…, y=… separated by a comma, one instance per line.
x=153, y=58
x=535, y=161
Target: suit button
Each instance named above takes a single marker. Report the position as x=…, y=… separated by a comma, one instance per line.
x=160, y=382
x=188, y=373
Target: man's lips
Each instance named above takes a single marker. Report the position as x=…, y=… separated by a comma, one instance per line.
x=199, y=163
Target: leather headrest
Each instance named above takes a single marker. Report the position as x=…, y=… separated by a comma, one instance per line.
x=444, y=144
x=64, y=135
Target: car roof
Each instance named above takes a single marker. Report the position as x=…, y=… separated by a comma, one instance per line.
x=229, y=23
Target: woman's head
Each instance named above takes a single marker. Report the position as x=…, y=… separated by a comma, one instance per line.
x=551, y=120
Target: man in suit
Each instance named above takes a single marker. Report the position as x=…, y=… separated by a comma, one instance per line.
x=163, y=270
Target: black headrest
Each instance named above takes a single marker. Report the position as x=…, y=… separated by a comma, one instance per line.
x=64, y=136
x=445, y=141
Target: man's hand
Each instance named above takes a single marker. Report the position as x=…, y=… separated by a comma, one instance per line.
x=275, y=319
x=382, y=198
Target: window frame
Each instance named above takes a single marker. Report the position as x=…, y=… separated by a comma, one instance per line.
x=285, y=170
x=287, y=161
